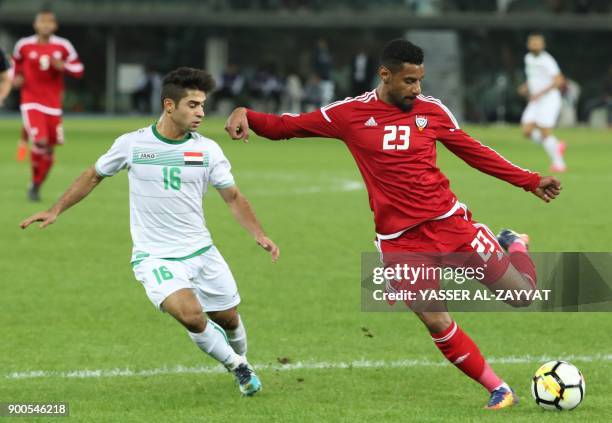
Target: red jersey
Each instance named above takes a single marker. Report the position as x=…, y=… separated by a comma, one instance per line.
x=396, y=154
x=43, y=85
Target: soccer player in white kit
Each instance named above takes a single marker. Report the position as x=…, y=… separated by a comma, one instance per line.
x=169, y=167
x=544, y=79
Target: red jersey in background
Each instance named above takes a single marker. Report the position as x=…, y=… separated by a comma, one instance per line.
x=43, y=84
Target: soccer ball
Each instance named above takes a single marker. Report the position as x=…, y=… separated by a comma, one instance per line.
x=558, y=385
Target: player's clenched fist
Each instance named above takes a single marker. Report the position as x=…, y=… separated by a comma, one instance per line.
x=548, y=189
x=237, y=125
x=46, y=217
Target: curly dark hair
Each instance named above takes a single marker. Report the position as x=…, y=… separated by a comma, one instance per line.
x=400, y=51
x=176, y=83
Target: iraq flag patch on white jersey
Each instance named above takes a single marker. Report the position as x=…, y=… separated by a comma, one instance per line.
x=193, y=158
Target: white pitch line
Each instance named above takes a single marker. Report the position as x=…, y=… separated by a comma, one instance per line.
x=302, y=365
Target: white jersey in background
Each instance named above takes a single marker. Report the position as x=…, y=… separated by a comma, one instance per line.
x=541, y=71
x=167, y=180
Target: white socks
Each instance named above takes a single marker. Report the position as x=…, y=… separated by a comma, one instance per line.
x=237, y=338
x=551, y=146
x=536, y=136
x=213, y=342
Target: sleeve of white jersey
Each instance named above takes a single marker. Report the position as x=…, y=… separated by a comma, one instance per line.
x=552, y=66
x=220, y=175
x=115, y=159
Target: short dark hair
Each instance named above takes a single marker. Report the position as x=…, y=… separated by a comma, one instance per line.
x=400, y=51
x=536, y=34
x=176, y=83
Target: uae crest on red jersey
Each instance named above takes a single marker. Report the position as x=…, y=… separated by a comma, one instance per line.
x=421, y=122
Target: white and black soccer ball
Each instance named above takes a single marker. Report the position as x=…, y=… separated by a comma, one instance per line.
x=558, y=385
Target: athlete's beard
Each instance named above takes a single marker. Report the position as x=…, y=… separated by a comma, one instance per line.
x=400, y=102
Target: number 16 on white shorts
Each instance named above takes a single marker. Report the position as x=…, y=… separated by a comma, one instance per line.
x=207, y=274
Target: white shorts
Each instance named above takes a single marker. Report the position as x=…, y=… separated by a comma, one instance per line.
x=207, y=274
x=544, y=111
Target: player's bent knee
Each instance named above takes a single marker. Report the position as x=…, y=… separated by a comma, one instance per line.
x=435, y=321
x=229, y=324
x=194, y=321
x=520, y=303
x=227, y=319
x=190, y=316
x=545, y=132
x=39, y=147
x=521, y=298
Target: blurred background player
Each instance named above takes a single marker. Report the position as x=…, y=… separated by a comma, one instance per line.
x=5, y=89
x=5, y=80
x=363, y=70
x=392, y=132
x=41, y=61
x=323, y=65
x=544, y=79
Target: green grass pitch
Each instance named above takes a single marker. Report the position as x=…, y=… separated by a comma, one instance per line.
x=69, y=301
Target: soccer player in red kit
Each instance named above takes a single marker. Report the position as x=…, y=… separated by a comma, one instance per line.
x=41, y=61
x=391, y=133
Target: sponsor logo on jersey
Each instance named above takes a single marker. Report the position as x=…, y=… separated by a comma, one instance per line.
x=421, y=122
x=371, y=122
x=193, y=158
x=149, y=156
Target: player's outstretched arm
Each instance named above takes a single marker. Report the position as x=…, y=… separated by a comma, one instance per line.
x=237, y=124
x=75, y=193
x=5, y=86
x=244, y=214
x=548, y=188
x=285, y=126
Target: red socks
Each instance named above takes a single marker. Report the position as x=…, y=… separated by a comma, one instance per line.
x=42, y=162
x=459, y=349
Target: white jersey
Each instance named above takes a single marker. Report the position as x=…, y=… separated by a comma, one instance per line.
x=167, y=179
x=541, y=70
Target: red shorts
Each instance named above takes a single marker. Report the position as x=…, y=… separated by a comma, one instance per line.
x=429, y=245
x=43, y=128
